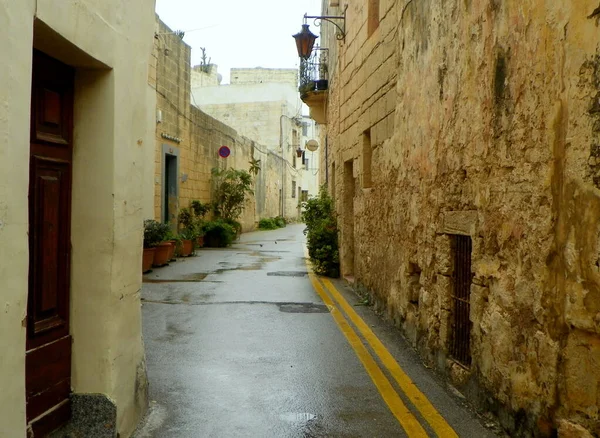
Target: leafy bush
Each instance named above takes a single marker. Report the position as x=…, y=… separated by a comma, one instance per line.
x=186, y=218
x=218, y=233
x=237, y=226
x=267, y=224
x=322, y=234
x=155, y=233
x=272, y=223
x=232, y=188
x=200, y=209
x=280, y=222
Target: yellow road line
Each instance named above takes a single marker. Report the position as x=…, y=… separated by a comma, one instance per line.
x=406, y=419
x=427, y=410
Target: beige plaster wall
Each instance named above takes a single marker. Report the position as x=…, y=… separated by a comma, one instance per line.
x=483, y=119
x=16, y=30
x=111, y=139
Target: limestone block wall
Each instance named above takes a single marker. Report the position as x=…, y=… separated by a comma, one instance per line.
x=240, y=76
x=478, y=118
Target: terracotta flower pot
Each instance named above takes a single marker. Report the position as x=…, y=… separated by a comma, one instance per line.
x=200, y=241
x=148, y=259
x=172, y=250
x=161, y=254
x=187, y=248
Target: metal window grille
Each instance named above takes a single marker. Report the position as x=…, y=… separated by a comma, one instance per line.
x=460, y=347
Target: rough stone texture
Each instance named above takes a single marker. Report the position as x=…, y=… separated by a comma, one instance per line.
x=93, y=416
x=484, y=120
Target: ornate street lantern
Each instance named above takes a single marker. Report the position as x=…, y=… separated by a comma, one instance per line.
x=299, y=152
x=305, y=40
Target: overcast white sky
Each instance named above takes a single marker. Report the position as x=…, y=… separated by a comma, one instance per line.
x=240, y=33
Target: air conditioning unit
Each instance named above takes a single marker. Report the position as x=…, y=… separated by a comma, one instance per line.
x=334, y=3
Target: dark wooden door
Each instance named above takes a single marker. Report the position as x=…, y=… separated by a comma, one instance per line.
x=48, y=357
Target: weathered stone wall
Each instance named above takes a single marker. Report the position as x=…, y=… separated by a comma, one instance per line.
x=240, y=76
x=483, y=119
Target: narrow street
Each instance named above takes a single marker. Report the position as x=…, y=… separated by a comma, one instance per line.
x=240, y=343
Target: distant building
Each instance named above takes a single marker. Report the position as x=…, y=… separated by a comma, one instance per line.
x=263, y=104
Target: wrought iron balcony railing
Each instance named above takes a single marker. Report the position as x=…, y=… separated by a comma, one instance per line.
x=313, y=72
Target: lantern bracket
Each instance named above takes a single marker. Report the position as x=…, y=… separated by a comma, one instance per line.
x=341, y=34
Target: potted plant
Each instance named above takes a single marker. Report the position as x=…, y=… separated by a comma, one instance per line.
x=218, y=233
x=200, y=210
x=151, y=239
x=187, y=241
x=160, y=233
x=174, y=240
x=187, y=231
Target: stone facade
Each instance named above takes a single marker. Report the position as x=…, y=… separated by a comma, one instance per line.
x=477, y=118
x=189, y=140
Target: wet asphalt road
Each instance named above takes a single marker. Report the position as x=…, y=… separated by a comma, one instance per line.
x=239, y=344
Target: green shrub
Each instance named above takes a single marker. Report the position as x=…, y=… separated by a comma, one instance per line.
x=280, y=222
x=322, y=234
x=200, y=210
x=155, y=233
x=237, y=226
x=232, y=188
x=218, y=233
x=186, y=218
x=267, y=224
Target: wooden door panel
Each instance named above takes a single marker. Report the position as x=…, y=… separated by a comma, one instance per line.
x=48, y=357
x=48, y=311
x=56, y=358
x=52, y=102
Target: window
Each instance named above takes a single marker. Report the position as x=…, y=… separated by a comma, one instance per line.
x=294, y=160
x=305, y=129
x=367, y=154
x=373, y=18
x=304, y=195
x=460, y=342
x=293, y=189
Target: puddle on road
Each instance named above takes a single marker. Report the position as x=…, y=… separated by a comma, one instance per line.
x=302, y=308
x=189, y=278
x=287, y=274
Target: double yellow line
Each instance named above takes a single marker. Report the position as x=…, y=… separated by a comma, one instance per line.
x=330, y=295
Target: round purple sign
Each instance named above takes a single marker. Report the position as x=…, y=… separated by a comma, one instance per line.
x=224, y=151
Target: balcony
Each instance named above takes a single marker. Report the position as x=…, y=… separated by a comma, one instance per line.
x=314, y=85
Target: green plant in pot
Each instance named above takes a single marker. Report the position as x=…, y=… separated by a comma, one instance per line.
x=187, y=231
x=156, y=235
x=232, y=188
x=175, y=242
x=188, y=235
x=200, y=210
x=218, y=233
x=151, y=239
